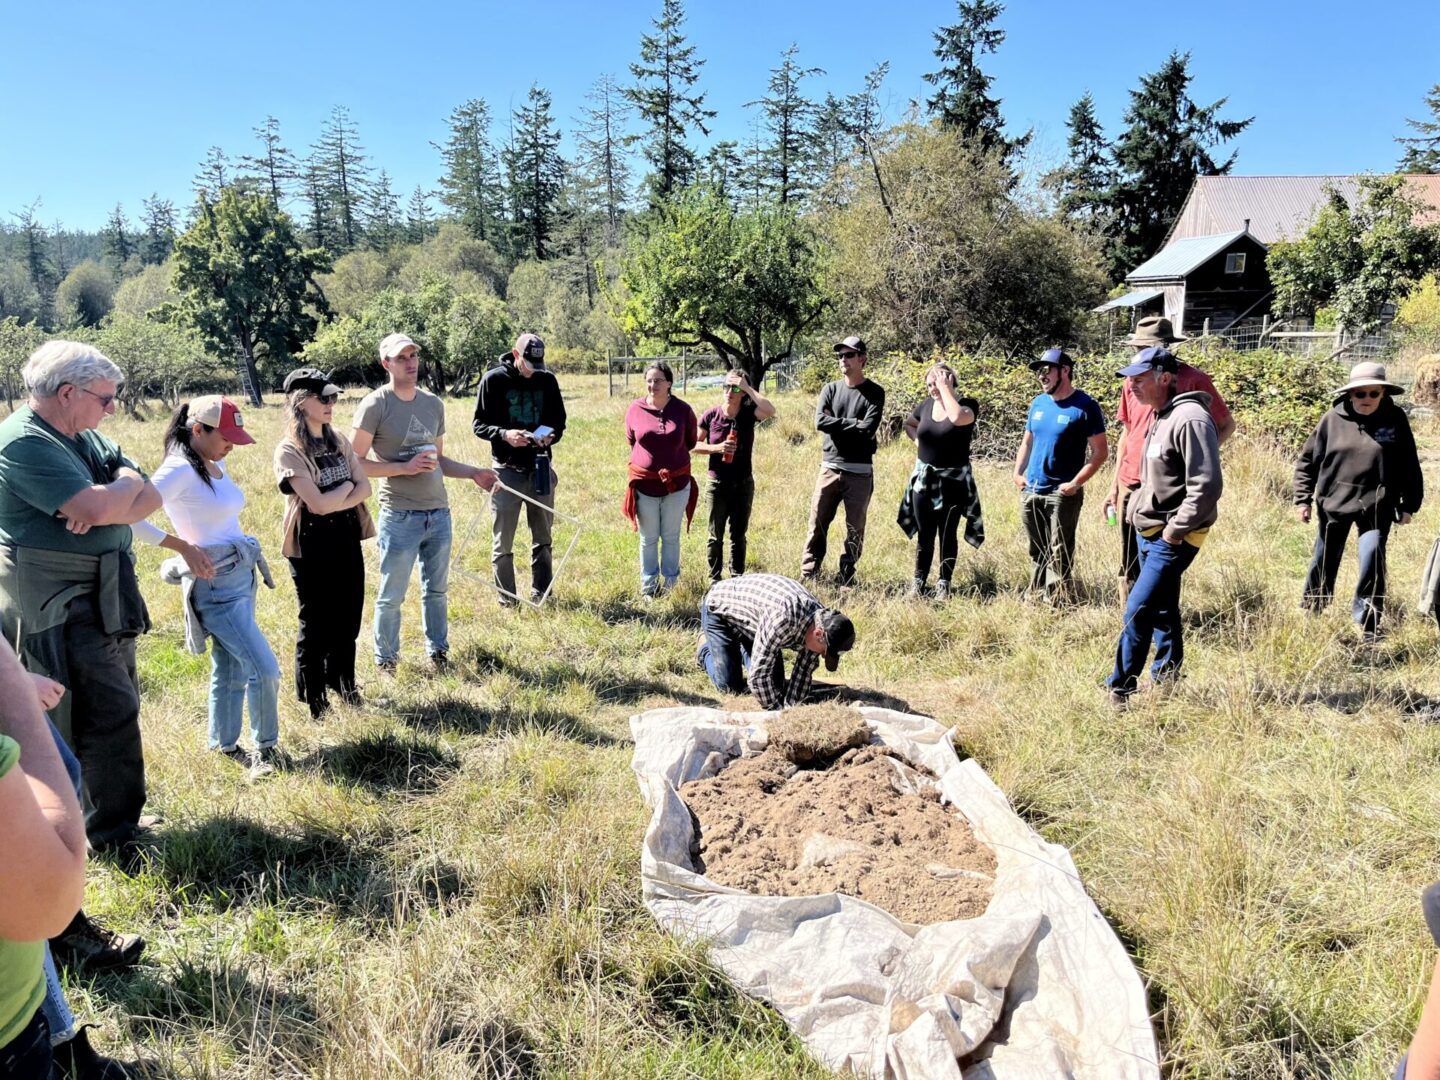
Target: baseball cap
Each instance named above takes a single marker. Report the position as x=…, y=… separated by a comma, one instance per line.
x=1056, y=357
x=391, y=345
x=839, y=635
x=1155, y=358
x=223, y=415
x=531, y=348
x=852, y=342
x=311, y=379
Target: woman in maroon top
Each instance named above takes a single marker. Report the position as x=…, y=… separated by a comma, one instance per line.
x=661, y=429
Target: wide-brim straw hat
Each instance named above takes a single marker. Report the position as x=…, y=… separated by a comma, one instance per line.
x=1154, y=330
x=1368, y=373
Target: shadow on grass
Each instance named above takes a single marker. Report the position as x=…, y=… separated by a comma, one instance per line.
x=553, y=676
x=229, y=861
x=841, y=694
x=615, y=611
x=388, y=762
x=458, y=715
x=496, y=1046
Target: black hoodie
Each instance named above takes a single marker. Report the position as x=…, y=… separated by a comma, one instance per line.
x=1358, y=465
x=509, y=400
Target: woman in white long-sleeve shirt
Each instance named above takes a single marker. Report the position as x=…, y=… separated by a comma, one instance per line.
x=204, y=506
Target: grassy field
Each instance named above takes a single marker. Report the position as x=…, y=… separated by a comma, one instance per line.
x=445, y=882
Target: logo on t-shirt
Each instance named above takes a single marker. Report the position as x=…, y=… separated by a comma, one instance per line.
x=417, y=437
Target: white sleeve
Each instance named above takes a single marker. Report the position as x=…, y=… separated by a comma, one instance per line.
x=147, y=533
x=169, y=480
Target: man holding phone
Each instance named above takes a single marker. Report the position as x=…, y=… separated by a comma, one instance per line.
x=520, y=410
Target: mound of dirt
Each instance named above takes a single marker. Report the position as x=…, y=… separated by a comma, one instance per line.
x=773, y=827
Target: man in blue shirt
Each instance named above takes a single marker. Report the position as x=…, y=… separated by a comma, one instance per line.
x=1051, y=468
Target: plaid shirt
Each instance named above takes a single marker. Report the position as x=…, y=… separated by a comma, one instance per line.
x=943, y=489
x=773, y=612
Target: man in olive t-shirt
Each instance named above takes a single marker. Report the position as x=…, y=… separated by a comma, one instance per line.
x=399, y=436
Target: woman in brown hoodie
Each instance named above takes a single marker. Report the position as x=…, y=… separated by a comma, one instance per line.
x=1361, y=469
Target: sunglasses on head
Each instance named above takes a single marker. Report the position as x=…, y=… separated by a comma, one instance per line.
x=1363, y=395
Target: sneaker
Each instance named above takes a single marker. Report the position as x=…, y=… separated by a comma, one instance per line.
x=85, y=943
x=238, y=756
x=263, y=762
x=917, y=587
x=700, y=651
x=76, y=1059
x=942, y=590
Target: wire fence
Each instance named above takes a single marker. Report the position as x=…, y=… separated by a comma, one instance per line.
x=697, y=370
x=1295, y=337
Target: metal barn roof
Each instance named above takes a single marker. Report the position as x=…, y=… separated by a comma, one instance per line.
x=1180, y=257
x=1277, y=207
x=1130, y=299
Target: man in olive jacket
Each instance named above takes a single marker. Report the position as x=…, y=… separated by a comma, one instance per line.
x=1172, y=512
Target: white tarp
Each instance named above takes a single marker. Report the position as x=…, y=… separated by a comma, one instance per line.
x=1038, y=986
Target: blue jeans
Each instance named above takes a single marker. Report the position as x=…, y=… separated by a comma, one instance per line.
x=242, y=664
x=660, y=518
x=403, y=535
x=58, y=1017
x=1153, y=611
x=725, y=654
x=1372, y=531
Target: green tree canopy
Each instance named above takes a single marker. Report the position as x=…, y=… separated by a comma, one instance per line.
x=745, y=284
x=1355, y=259
x=1422, y=150
x=86, y=295
x=962, y=100
x=246, y=283
x=666, y=102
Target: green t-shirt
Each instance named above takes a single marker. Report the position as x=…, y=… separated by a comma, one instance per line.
x=40, y=471
x=401, y=429
x=22, y=971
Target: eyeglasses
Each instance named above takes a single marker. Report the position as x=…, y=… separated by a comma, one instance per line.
x=732, y=390
x=106, y=400
x=1364, y=395
x=848, y=355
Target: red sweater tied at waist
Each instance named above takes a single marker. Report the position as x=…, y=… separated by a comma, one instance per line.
x=673, y=479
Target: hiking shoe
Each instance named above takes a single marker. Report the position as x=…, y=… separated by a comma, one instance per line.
x=85, y=943
x=388, y=668
x=238, y=756
x=76, y=1059
x=942, y=590
x=1118, y=701
x=917, y=587
x=440, y=660
x=263, y=762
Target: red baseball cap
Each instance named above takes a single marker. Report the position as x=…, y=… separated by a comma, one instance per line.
x=223, y=415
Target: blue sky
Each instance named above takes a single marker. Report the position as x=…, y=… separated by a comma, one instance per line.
x=110, y=102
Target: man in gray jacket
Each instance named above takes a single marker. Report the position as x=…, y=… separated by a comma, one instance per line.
x=1172, y=512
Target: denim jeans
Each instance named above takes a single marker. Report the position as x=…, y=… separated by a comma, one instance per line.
x=1152, y=611
x=724, y=655
x=58, y=1017
x=660, y=519
x=403, y=535
x=1373, y=531
x=242, y=664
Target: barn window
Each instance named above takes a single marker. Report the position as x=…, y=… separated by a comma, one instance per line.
x=1235, y=262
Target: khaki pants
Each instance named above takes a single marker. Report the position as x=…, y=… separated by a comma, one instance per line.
x=834, y=488
x=1050, y=522
x=1129, y=544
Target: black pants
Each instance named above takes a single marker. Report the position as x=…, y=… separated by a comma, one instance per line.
x=931, y=522
x=331, y=591
x=27, y=1056
x=730, y=502
x=98, y=669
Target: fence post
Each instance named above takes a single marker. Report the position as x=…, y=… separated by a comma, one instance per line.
x=1264, y=328
x=609, y=375
x=684, y=370
x=1205, y=327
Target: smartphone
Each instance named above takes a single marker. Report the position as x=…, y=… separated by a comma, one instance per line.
x=541, y=432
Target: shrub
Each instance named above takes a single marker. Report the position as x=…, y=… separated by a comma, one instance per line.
x=1417, y=320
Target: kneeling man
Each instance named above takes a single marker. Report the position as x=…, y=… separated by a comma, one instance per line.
x=746, y=624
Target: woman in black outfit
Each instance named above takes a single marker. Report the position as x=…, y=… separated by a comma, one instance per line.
x=325, y=520
x=942, y=488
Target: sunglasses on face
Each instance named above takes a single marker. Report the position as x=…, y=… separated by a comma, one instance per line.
x=848, y=355
x=1365, y=395
x=106, y=400
x=326, y=399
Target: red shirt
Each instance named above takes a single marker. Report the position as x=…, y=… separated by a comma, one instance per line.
x=660, y=439
x=1137, y=419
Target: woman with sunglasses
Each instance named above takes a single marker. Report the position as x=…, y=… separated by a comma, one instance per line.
x=1361, y=469
x=661, y=430
x=217, y=568
x=325, y=520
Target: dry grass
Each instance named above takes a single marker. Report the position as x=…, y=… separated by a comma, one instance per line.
x=445, y=882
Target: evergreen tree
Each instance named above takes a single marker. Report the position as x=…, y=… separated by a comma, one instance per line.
x=1422, y=150
x=316, y=193
x=789, y=160
x=1083, y=183
x=344, y=175
x=1167, y=143
x=273, y=169
x=117, y=245
x=602, y=162
x=382, y=224
x=159, y=220
x=59, y=253
x=536, y=173
x=723, y=169
x=470, y=185
x=417, y=216
x=666, y=101
x=36, y=248
x=962, y=98
x=214, y=175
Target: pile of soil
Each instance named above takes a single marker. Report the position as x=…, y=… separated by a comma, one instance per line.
x=818, y=811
